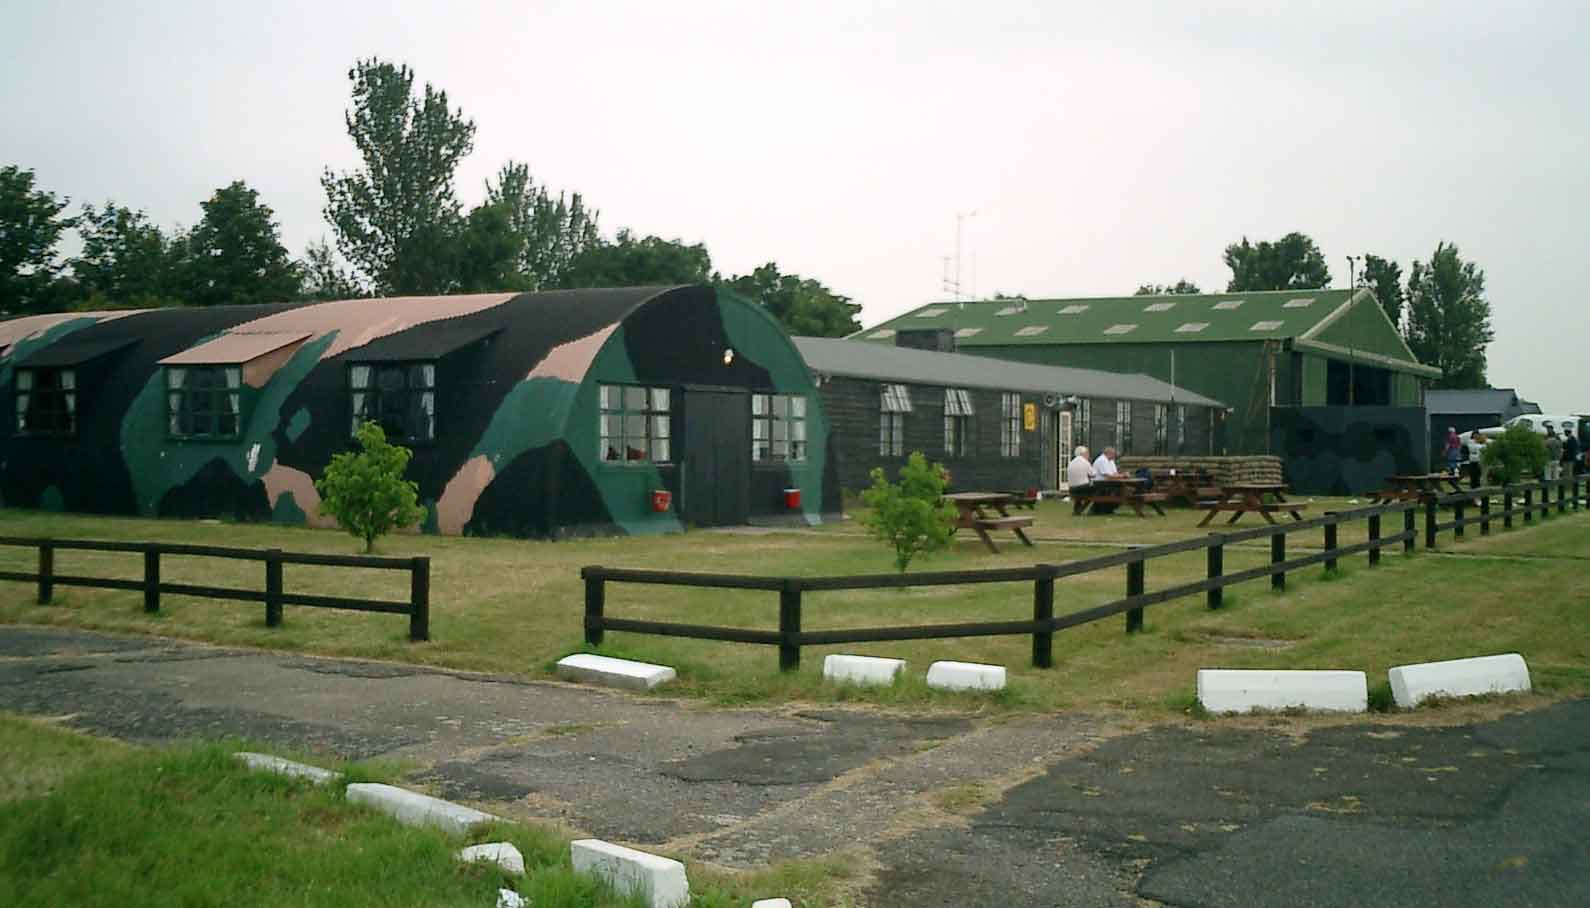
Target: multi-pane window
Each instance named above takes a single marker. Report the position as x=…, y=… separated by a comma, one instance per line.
x=1181, y=428
x=46, y=402
x=778, y=427
x=1010, y=425
x=401, y=397
x=1161, y=428
x=204, y=401
x=894, y=404
x=957, y=421
x=1123, y=426
x=1084, y=419
x=636, y=425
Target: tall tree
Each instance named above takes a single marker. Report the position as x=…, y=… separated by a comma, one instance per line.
x=803, y=306
x=631, y=262
x=552, y=232
x=30, y=227
x=1449, y=319
x=1293, y=262
x=126, y=260
x=396, y=219
x=324, y=277
x=1384, y=277
x=1180, y=287
x=236, y=253
x=489, y=252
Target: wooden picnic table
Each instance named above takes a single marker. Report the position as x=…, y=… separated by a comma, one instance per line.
x=1414, y=486
x=1262, y=498
x=972, y=513
x=1118, y=490
x=1189, y=485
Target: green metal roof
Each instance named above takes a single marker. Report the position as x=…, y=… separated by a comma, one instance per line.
x=1267, y=315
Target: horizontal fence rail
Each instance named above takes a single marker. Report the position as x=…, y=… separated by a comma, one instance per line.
x=274, y=596
x=791, y=636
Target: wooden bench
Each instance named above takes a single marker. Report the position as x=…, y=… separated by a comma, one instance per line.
x=1264, y=510
x=1014, y=524
x=1023, y=500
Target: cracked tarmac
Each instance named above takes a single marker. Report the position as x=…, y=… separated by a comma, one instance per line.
x=946, y=810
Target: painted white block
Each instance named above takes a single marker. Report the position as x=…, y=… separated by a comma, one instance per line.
x=1244, y=690
x=965, y=676
x=416, y=809
x=503, y=854
x=862, y=669
x=771, y=903
x=268, y=763
x=606, y=670
x=659, y=880
x=1413, y=684
x=507, y=898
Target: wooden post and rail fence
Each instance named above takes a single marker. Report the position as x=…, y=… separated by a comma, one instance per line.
x=791, y=635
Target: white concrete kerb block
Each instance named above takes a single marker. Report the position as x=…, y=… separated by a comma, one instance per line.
x=507, y=898
x=1502, y=674
x=415, y=809
x=503, y=854
x=966, y=676
x=659, y=880
x=843, y=669
x=268, y=763
x=1223, y=690
x=610, y=672
x=771, y=903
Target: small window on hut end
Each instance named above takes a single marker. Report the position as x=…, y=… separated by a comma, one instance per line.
x=635, y=425
x=778, y=428
x=46, y=402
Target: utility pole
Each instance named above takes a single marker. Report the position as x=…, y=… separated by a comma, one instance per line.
x=960, y=221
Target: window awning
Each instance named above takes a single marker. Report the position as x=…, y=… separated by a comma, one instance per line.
x=69, y=352
x=429, y=342
x=232, y=349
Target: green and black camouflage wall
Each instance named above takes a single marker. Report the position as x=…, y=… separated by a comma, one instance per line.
x=1348, y=450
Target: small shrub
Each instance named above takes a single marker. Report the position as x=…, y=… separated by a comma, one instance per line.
x=1381, y=699
x=910, y=515
x=1514, y=455
x=365, y=492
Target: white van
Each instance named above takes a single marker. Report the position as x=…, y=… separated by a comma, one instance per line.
x=1474, y=442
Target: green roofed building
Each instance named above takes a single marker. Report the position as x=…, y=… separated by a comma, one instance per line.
x=1254, y=351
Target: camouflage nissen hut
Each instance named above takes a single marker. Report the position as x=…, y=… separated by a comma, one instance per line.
x=531, y=414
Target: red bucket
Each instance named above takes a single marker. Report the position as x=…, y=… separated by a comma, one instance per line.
x=661, y=499
x=792, y=499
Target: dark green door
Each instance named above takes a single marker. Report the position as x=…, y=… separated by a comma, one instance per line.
x=717, y=458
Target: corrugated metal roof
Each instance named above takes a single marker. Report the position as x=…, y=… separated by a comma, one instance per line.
x=229, y=349
x=861, y=359
x=1229, y=317
x=72, y=352
x=1476, y=402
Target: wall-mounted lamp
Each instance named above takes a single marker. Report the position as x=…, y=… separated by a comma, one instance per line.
x=728, y=356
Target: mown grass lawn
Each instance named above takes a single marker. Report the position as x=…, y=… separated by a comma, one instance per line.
x=515, y=606
x=88, y=822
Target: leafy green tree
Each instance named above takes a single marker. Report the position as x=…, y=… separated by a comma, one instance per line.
x=803, y=306
x=1182, y=286
x=1384, y=277
x=396, y=219
x=127, y=261
x=910, y=515
x=324, y=277
x=366, y=492
x=236, y=254
x=1291, y=263
x=488, y=252
x=1449, y=319
x=631, y=262
x=30, y=227
x=1516, y=454
x=552, y=231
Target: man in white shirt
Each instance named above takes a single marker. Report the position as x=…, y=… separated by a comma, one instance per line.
x=1079, y=476
x=1105, y=465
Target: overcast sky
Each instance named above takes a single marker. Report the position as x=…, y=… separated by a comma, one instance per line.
x=1099, y=149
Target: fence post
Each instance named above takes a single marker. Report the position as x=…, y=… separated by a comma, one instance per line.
x=1330, y=542
x=46, y=572
x=789, y=625
x=273, y=588
x=1134, y=587
x=151, y=579
x=1278, y=555
x=595, y=599
x=1457, y=519
x=1042, y=612
x=1217, y=568
x=1408, y=529
x=1485, y=514
x=1529, y=504
x=1562, y=497
x=1575, y=487
x=420, y=599
x=1374, y=539
x=1429, y=521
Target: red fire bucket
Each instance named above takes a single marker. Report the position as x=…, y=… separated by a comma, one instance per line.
x=661, y=499
x=792, y=499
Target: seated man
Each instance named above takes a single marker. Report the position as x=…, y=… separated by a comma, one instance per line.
x=1079, y=477
x=1103, y=467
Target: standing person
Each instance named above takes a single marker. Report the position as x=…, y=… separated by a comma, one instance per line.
x=1553, y=455
x=1079, y=478
x=1454, y=448
x=1570, y=454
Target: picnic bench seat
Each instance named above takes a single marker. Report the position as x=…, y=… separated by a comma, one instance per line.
x=1004, y=523
x=1271, y=506
x=1021, y=499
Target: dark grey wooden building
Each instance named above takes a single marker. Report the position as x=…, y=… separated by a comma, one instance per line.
x=994, y=423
